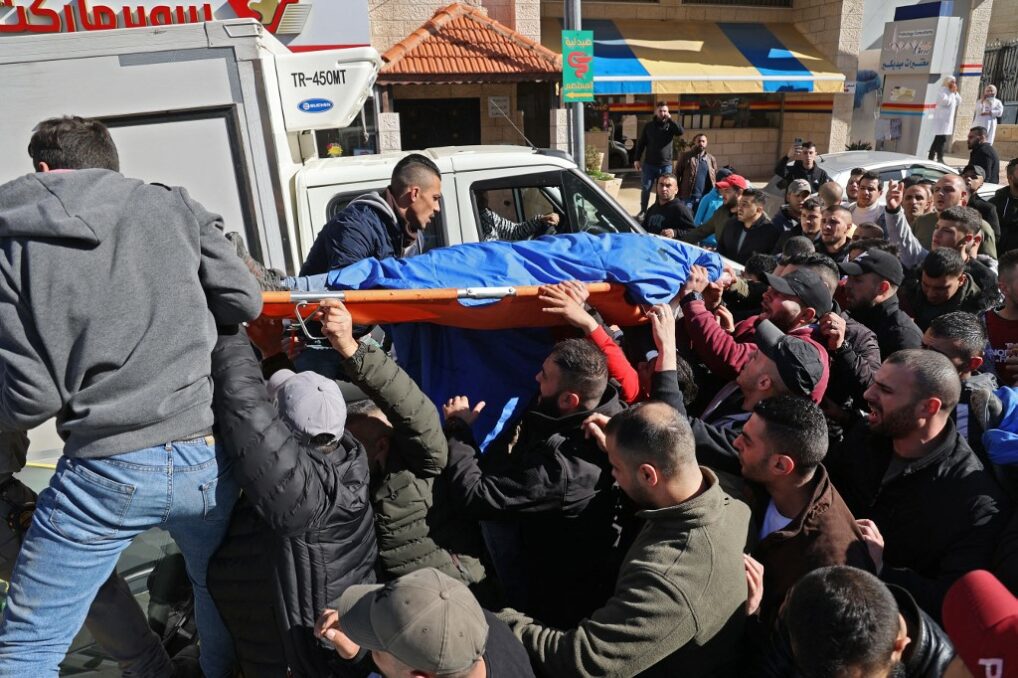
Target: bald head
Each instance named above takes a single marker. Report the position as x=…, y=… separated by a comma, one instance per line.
x=654, y=433
x=950, y=191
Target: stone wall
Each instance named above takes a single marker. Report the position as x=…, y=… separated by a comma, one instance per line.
x=493, y=130
x=1003, y=22
x=523, y=16
x=750, y=151
x=835, y=29
x=1006, y=143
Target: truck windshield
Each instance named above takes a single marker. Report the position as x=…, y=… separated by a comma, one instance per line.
x=589, y=210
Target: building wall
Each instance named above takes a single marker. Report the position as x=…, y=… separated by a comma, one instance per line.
x=835, y=29
x=750, y=151
x=974, y=32
x=393, y=20
x=1003, y=22
x=493, y=130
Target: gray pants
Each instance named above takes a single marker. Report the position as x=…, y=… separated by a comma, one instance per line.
x=115, y=619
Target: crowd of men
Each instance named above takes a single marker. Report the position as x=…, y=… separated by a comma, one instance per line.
x=781, y=474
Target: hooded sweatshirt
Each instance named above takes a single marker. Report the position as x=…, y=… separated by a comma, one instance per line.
x=110, y=292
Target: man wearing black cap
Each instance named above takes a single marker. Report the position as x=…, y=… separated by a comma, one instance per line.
x=975, y=177
x=871, y=297
x=776, y=364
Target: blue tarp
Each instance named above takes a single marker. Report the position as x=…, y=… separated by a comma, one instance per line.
x=499, y=366
x=1001, y=443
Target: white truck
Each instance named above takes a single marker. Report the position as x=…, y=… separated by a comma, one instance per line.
x=226, y=110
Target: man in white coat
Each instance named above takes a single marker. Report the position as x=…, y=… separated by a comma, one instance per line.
x=943, y=117
x=988, y=109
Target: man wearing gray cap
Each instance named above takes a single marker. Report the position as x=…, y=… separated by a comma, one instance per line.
x=424, y=624
x=303, y=530
x=790, y=214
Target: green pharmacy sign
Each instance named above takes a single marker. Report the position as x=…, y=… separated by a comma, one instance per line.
x=577, y=62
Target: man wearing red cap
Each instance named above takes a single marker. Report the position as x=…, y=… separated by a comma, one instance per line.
x=731, y=189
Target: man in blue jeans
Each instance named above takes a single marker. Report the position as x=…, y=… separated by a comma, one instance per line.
x=110, y=293
x=656, y=140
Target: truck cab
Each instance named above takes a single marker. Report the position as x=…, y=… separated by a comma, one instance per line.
x=516, y=182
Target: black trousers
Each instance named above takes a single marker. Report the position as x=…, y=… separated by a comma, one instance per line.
x=937, y=147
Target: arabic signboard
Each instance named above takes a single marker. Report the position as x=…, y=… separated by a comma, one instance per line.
x=577, y=66
x=928, y=45
x=302, y=25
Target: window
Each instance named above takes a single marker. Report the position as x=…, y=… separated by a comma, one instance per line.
x=890, y=174
x=434, y=234
x=588, y=211
x=926, y=172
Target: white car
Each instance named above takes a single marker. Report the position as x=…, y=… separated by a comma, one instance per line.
x=890, y=167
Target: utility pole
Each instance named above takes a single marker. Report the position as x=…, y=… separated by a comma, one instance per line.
x=572, y=23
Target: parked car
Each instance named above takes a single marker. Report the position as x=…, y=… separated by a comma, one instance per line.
x=890, y=167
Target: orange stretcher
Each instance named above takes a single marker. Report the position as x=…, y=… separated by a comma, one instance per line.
x=509, y=306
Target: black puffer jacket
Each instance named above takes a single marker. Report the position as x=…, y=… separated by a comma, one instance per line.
x=553, y=489
x=940, y=515
x=926, y=656
x=302, y=532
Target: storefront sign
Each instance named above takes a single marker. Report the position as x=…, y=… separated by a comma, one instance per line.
x=303, y=25
x=577, y=65
x=927, y=45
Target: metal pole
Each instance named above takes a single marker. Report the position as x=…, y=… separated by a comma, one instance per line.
x=573, y=23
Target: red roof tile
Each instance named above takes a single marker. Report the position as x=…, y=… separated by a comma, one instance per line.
x=462, y=44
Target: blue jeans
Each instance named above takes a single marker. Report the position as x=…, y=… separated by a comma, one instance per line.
x=87, y=516
x=648, y=174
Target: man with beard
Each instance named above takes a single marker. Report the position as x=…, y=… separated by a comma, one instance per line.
x=975, y=177
x=750, y=230
x=668, y=216
x=804, y=523
x=837, y=223
x=929, y=510
x=871, y=297
x=983, y=154
x=656, y=139
x=1005, y=200
x=840, y=621
x=949, y=191
x=678, y=606
x=731, y=188
x=548, y=487
x=810, y=225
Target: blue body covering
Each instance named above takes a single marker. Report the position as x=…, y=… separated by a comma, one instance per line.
x=499, y=366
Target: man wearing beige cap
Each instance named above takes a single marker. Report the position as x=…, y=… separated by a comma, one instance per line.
x=421, y=625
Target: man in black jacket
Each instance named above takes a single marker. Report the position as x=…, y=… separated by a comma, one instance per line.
x=983, y=154
x=303, y=531
x=841, y=621
x=871, y=297
x=1005, y=200
x=804, y=167
x=547, y=487
x=656, y=139
x=750, y=230
x=975, y=176
x=668, y=216
x=944, y=286
x=929, y=510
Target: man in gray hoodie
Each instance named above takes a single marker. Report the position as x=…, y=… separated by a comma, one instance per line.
x=110, y=293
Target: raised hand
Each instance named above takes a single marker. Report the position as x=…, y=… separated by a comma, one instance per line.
x=459, y=407
x=895, y=193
